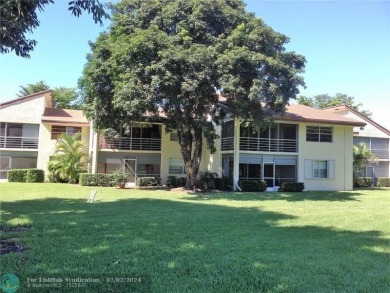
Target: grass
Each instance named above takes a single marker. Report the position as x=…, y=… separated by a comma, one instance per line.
x=216, y=242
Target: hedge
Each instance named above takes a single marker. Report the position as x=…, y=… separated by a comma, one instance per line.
x=17, y=175
x=88, y=179
x=292, y=187
x=174, y=181
x=253, y=185
x=383, y=182
x=223, y=184
x=148, y=181
x=26, y=175
x=35, y=175
x=363, y=182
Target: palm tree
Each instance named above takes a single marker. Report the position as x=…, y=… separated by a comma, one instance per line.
x=362, y=157
x=70, y=158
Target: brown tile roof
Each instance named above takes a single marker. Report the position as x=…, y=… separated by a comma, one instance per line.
x=64, y=116
x=22, y=99
x=303, y=113
x=336, y=109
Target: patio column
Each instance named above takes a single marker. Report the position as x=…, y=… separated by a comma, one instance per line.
x=236, y=153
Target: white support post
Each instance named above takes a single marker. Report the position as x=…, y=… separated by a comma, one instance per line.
x=236, y=153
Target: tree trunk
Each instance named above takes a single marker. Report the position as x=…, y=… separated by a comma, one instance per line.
x=191, y=150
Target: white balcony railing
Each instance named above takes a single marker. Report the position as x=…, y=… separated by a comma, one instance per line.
x=381, y=154
x=128, y=143
x=227, y=143
x=268, y=145
x=261, y=144
x=18, y=142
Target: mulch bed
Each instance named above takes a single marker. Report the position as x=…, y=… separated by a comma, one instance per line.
x=9, y=245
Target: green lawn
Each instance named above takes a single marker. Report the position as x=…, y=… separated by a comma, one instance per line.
x=216, y=242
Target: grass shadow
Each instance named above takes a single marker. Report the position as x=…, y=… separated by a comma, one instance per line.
x=340, y=196
x=187, y=246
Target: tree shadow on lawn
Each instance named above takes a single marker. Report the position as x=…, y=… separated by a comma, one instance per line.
x=183, y=247
x=286, y=196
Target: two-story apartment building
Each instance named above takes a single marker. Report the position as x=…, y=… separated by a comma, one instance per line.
x=29, y=129
x=305, y=145
x=375, y=136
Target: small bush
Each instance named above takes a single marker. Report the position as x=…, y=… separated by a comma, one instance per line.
x=363, y=182
x=172, y=181
x=35, y=175
x=206, y=180
x=54, y=173
x=181, y=182
x=17, y=175
x=292, y=186
x=383, y=182
x=88, y=179
x=222, y=184
x=148, y=181
x=253, y=185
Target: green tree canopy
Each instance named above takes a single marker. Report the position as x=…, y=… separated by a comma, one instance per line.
x=32, y=88
x=19, y=17
x=63, y=97
x=174, y=57
x=324, y=101
x=362, y=157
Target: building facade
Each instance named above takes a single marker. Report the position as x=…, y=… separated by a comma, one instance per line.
x=304, y=145
x=374, y=136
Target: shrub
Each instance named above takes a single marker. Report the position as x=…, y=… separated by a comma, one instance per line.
x=383, y=182
x=292, y=186
x=222, y=184
x=181, y=182
x=88, y=179
x=253, y=185
x=17, y=175
x=54, y=173
x=206, y=180
x=363, y=182
x=172, y=181
x=148, y=181
x=35, y=175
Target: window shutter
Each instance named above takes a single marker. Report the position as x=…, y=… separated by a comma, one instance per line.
x=331, y=169
x=308, y=169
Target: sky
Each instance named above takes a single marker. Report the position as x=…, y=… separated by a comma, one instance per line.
x=346, y=45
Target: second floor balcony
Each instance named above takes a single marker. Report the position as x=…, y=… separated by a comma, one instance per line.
x=381, y=154
x=18, y=142
x=261, y=144
x=280, y=137
x=131, y=144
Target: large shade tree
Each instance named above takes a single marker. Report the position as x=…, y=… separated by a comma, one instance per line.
x=173, y=58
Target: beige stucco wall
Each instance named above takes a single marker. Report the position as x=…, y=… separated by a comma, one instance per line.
x=29, y=111
x=340, y=150
x=47, y=145
x=171, y=150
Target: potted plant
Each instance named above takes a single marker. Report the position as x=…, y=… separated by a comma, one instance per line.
x=120, y=178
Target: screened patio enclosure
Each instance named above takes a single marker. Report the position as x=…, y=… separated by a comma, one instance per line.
x=273, y=169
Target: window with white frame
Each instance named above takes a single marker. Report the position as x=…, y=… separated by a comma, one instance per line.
x=319, y=134
x=320, y=169
x=176, y=166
